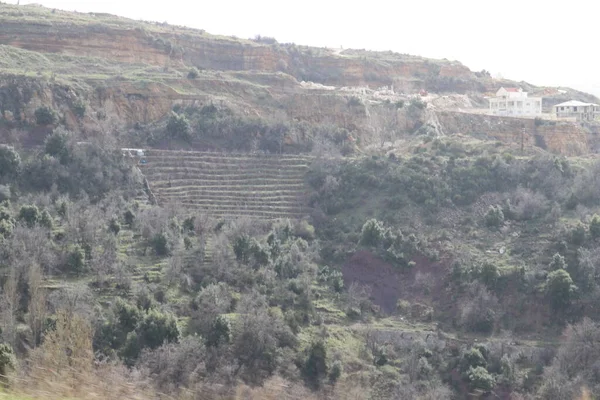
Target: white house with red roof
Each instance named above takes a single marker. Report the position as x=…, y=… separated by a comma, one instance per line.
x=515, y=102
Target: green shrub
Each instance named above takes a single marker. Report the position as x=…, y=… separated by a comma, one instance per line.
x=45, y=116
x=480, y=378
x=75, y=262
x=304, y=230
x=160, y=244
x=473, y=358
x=62, y=208
x=189, y=224
x=403, y=307
x=79, y=108
x=424, y=369
x=315, y=367
x=127, y=314
x=595, y=226
x=132, y=349
x=30, y=214
x=114, y=226
x=179, y=127
x=249, y=251
x=558, y=262
x=577, y=235
x=157, y=328
x=560, y=289
x=218, y=333
x=335, y=372
x=6, y=228
x=508, y=370
x=418, y=104
x=483, y=322
x=10, y=162
x=265, y=39
x=5, y=213
x=8, y=361
x=46, y=220
x=494, y=218
x=489, y=274
x=241, y=248
x=193, y=73
x=331, y=277
x=129, y=218
x=58, y=145
x=372, y=233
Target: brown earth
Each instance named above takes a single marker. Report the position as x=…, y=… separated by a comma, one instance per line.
x=566, y=138
x=165, y=45
x=423, y=284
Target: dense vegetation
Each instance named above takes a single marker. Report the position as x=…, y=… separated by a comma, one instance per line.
x=193, y=303
x=221, y=128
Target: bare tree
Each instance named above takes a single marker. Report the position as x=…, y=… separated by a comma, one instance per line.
x=73, y=300
x=9, y=304
x=174, y=269
x=37, y=302
x=104, y=258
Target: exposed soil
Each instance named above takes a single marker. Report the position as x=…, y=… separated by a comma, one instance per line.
x=421, y=284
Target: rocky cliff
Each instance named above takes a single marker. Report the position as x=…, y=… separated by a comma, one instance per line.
x=125, y=41
x=566, y=138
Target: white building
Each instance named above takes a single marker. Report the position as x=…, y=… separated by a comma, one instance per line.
x=576, y=109
x=515, y=102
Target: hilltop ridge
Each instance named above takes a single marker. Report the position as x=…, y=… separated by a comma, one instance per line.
x=131, y=74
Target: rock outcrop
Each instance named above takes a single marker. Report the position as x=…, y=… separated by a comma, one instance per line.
x=125, y=41
x=566, y=138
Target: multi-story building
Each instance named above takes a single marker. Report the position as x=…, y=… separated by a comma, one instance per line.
x=515, y=102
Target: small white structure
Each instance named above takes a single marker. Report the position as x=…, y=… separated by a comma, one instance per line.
x=515, y=102
x=132, y=152
x=577, y=109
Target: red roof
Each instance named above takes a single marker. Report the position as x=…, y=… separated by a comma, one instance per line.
x=511, y=89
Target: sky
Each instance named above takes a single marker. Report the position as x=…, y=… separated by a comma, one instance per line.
x=544, y=42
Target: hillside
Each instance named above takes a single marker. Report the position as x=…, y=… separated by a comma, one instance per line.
x=230, y=185
x=129, y=75
x=190, y=216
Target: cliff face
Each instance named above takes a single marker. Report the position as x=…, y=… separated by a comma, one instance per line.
x=169, y=46
x=558, y=137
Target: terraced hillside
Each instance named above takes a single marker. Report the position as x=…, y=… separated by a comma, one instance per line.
x=229, y=185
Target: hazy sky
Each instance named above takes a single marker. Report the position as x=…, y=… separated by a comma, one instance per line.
x=545, y=42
